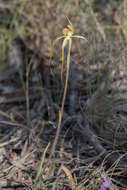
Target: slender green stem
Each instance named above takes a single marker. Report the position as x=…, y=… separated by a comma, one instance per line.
x=63, y=101
x=62, y=66
x=39, y=173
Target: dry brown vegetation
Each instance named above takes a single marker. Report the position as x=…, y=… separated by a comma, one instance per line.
x=91, y=147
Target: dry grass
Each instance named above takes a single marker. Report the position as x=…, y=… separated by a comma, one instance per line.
x=100, y=96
